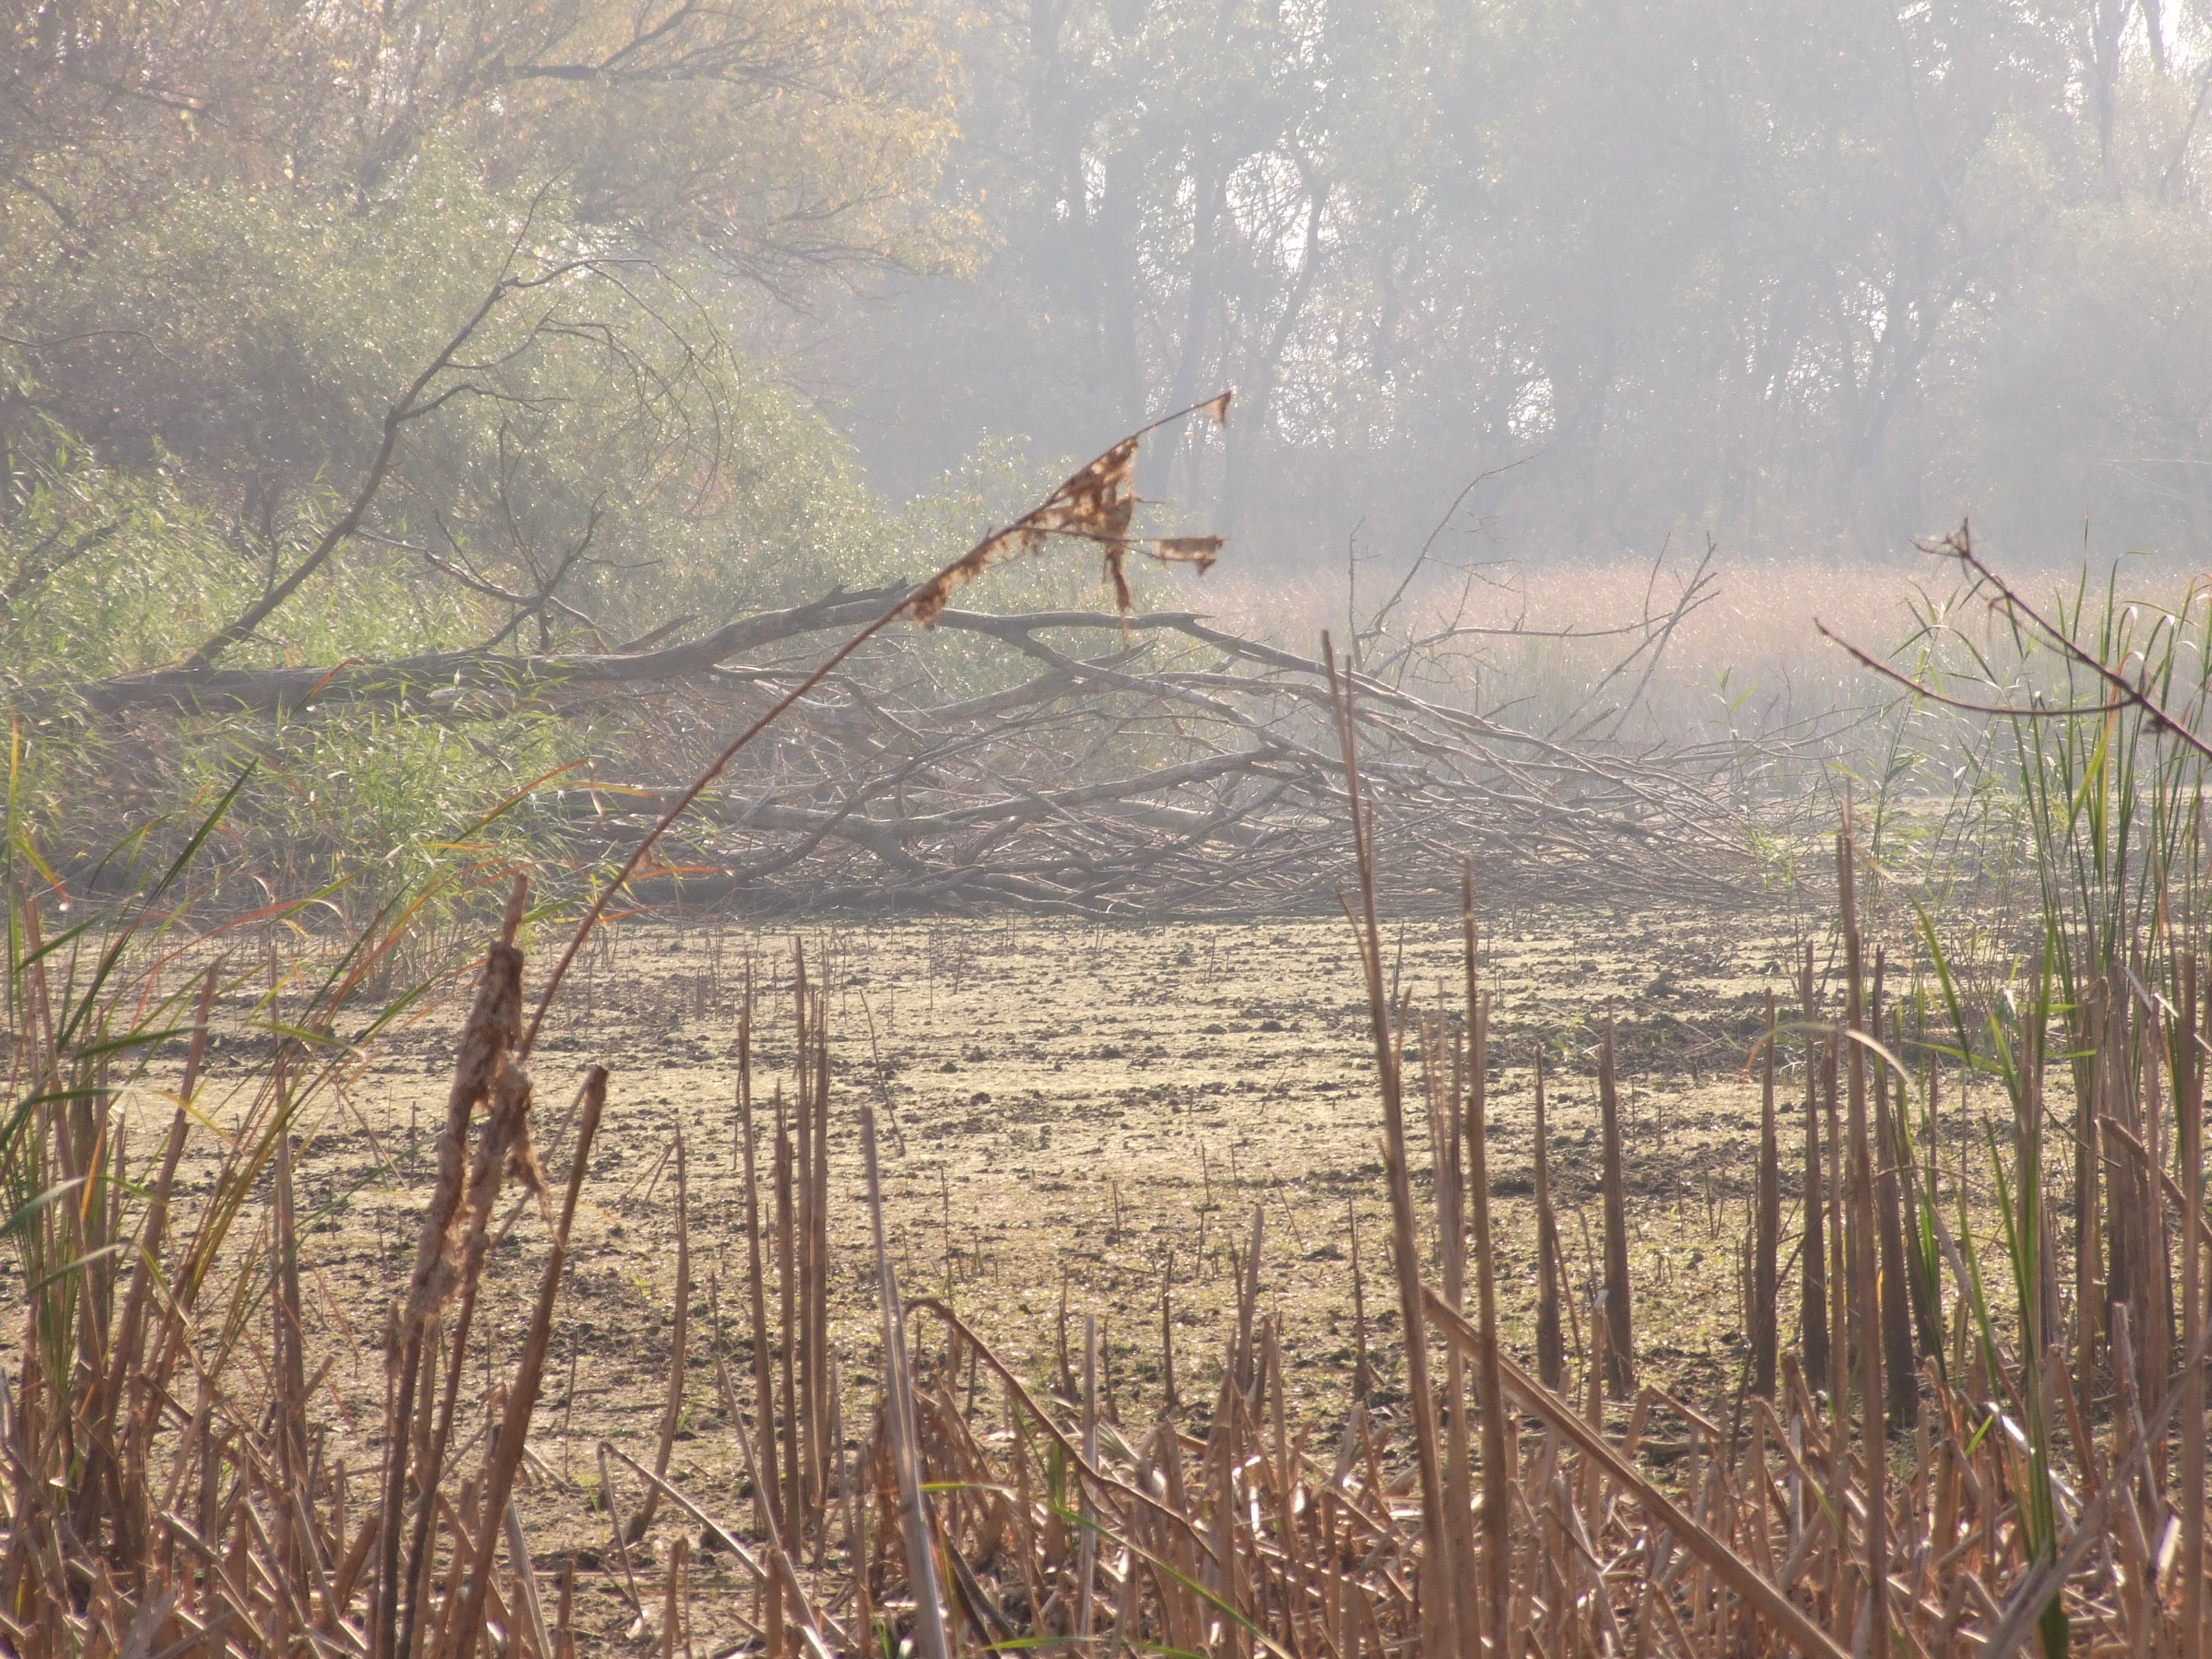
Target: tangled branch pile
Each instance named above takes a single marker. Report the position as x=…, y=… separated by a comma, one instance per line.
x=1136, y=765
x=1156, y=765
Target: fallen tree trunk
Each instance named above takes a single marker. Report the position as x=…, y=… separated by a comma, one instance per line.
x=1143, y=765
x=428, y=680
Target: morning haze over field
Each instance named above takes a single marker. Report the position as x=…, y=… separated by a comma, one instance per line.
x=851, y=828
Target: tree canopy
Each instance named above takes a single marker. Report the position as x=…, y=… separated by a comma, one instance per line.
x=1816, y=277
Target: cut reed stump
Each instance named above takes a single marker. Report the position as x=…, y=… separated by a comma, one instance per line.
x=1766, y=1240
x=1619, y=1324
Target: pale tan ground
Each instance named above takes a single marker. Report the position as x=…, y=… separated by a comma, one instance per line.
x=1072, y=1105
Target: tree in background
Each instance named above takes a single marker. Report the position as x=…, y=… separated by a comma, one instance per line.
x=234, y=233
x=1817, y=277
x=349, y=332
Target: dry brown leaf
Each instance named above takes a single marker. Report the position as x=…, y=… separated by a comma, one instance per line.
x=1096, y=504
x=1120, y=578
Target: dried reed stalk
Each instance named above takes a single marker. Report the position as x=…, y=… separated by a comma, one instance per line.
x=1898, y=1361
x=1619, y=1319
x=930, y=1637
x=1813, y=1253
x=506, y=1462
x=1498, y=1471
x=679, y=1347
x=2190, y=1495
x=489, y=1030
x=1766, y=1236
x=1442, y=1633
x=1551, y=1346
x=1867, y=1326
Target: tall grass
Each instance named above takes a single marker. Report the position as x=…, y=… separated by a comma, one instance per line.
x=146, y=1491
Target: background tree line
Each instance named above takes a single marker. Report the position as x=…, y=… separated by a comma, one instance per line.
x=1818, y=278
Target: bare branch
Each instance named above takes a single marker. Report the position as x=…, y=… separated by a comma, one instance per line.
x=2128, y=693
x=411, y=404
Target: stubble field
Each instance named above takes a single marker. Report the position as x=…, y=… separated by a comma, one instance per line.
x=1074, y=1120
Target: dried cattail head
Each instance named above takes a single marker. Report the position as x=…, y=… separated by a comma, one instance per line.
x=510, y=1122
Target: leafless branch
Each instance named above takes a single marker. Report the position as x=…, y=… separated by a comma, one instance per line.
x=412, y=404
x=2017, y=610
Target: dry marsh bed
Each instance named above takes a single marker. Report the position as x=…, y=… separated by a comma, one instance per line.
x=1074, y=1116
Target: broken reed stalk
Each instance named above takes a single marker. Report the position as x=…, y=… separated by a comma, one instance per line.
x=1498, y=1472
x=1898, y=1367
x=1620, y=1326
x=2189, y=1497
x=930, y=1639
x=756, y=1276
x=787, y=1278
x=1444, y=1064
x=1169, y=1404
x=1441, y=1630
x=1766, y=1238
x=1813, y=1252
x=1550, y=1344
x=819, y=1388
x=1363, y=1376
x=287, y=1335
x=679, y=1347
x=797, y=1177
x=1086, y=1557
x=1866, y=1329
x=2089, y=1279
x=809, y=1174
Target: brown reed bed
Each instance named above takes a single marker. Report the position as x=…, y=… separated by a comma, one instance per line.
x=1236, y=1523
x=1630, y=1518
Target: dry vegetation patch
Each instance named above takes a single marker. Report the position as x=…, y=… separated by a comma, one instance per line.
x=1075, y=1117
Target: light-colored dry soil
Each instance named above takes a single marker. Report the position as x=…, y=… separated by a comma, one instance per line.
x=1068, y=1112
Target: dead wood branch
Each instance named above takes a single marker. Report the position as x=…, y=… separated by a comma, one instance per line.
x=1086, y=762
x=1187, y=773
